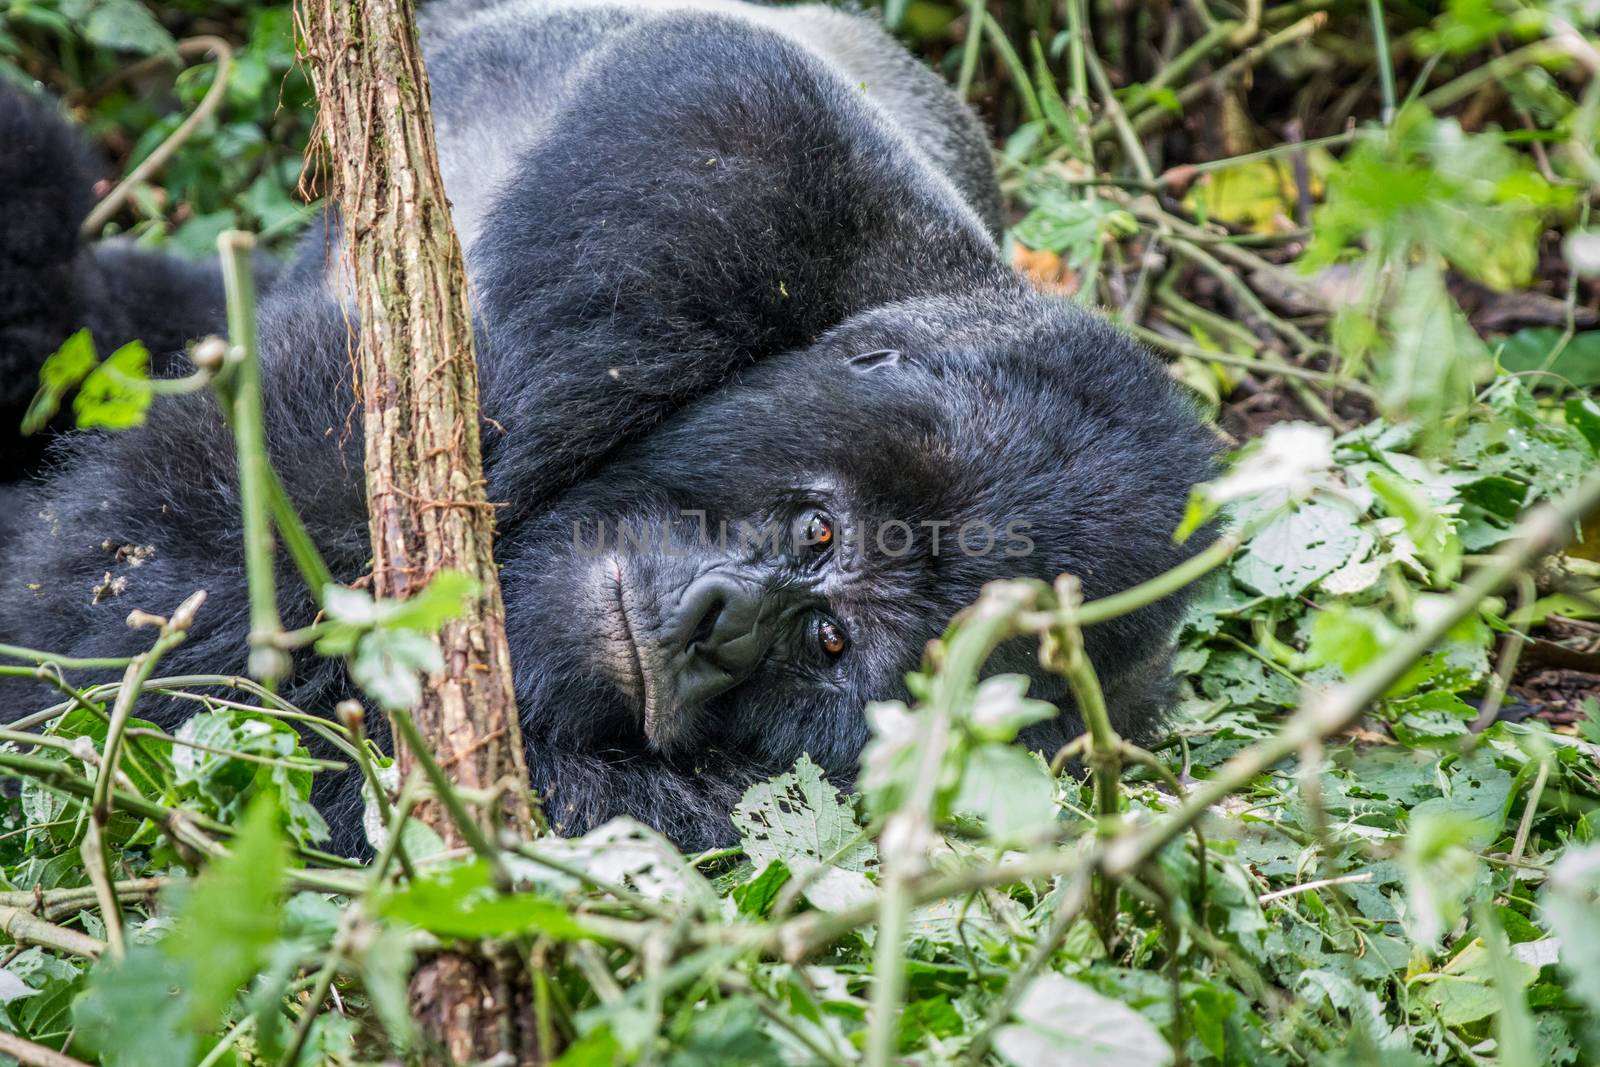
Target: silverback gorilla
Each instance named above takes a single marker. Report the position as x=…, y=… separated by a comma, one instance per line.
x=737, y=286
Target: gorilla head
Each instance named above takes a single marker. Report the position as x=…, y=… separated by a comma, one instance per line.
x=841, y=503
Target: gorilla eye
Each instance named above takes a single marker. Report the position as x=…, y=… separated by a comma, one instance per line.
x=816, y=531
x=831, y=637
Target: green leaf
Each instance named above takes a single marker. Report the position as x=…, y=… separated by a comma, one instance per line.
x=62, y=372
x=1583, y=415
x=135, y=1013
x=1349, y=638
x=1242, y=680
x=1572, y=901
x=757, y=896
x=461, y=901
x=1007, y=789
x=1428, y=529
x=197, y=238
x=1296, y=549
x=126, y=26
x=388, y=663
x=1464, y=990
x=1531, y=349
x=799, y=817
x=442, y=599
x=1001, y=710
x=1436, y=357
x=386, y=961
x=1440, y=873
x=225, y=784
x=929, y=1017
x=116, y=394
x=597, y=1048
x=231, y=916
x=1063, y=1023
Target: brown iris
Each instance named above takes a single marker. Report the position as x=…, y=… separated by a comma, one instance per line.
x=818, y=531
x=831, y=637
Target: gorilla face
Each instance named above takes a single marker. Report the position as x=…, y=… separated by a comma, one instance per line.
x=844, y=501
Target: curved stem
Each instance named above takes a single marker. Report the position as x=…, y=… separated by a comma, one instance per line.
x=112, y=202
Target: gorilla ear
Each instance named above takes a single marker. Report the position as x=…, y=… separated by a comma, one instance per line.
x=883, y=357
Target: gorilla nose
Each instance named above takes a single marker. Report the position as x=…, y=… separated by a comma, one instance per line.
x=718, y=629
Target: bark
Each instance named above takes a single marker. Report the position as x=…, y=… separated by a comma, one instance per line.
x=424, y=472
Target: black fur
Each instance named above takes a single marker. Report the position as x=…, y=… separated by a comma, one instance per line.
x=672, y=279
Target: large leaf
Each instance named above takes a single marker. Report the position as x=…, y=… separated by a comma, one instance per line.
x=231, y=915
x=1008, y=790
x=1572, y=900
x=1296, y=549
x=461, y=901
x=1063, y=1023
x=1578, y=361
x=800, y=816
x=61, y=373
x=116, y=395
x=126, y=26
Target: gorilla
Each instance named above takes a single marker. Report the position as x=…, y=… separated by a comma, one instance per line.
x=764, y=404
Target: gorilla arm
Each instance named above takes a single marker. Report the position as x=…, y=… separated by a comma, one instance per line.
x=712, y=197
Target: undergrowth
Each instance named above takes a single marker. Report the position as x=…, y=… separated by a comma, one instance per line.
x=1370, y=836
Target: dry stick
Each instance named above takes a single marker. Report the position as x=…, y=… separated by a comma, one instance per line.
x=1307, y=347
x=25, y=928
x=58, y=902
x=1492, y=72
x=1329, y=711
x=1219, y=34
x=1251, y=363
x=1241, y=257
x=1154, y=118
x=1320, y=883
x=30, y=1054
x=420, y=415
x=112, y=201
x=1530, y=809
x=1183, y=309
x=1247, y=296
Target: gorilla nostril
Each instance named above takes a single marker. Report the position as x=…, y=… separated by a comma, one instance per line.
x=706, y=627
x=719, y=621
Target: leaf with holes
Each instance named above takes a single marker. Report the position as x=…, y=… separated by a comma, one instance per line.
x=800, y=816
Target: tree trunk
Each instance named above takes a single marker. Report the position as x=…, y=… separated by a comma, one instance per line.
x=424, y=473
